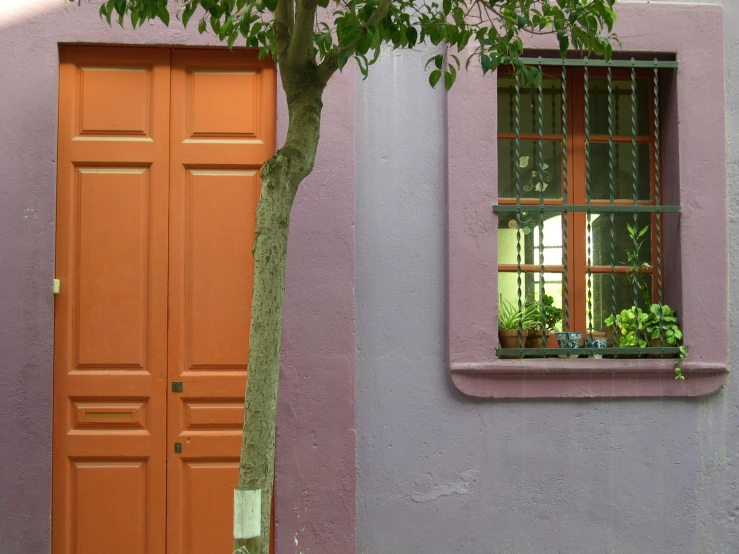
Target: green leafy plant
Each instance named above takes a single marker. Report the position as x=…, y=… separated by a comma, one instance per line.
x=627, y=323
x=636, y=264
x=663, y=321
x=552, y=314
x=509, y=315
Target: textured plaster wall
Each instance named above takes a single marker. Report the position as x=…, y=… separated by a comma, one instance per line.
x=439, y=472
x=315, y=444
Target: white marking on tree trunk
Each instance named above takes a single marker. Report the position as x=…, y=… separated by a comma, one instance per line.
x=247, y=513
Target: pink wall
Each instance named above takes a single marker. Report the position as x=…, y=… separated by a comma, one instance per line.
x=315, y=444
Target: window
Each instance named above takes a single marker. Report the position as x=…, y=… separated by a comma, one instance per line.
x=551, y=153
x=694, y=244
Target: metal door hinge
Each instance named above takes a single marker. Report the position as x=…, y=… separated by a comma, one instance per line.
x=178, y=448
x=57, y=286
x=176, y=386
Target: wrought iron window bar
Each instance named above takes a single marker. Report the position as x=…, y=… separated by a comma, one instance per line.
x=611, y=208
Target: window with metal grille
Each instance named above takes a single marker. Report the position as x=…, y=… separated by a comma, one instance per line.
x=580, y=212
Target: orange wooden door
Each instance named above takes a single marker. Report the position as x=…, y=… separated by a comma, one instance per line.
x=110, y=319
x=222, y=131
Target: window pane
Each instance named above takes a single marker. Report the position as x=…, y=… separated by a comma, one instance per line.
x=532, y=170
x=602, y=304
x=508, y=288
x=507, y=253
x=601, y=238
x=623, y=181
x=621, y=107
x=552, y=108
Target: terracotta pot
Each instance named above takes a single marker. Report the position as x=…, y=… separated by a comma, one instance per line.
x=536, y=339
x=655, y=343
x=552, y=341
x=509, y=339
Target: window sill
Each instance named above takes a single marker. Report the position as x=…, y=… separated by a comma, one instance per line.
x=584, y=378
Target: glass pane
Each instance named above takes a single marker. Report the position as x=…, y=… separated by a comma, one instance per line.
x=623, y=181
x=552, y=108
x=621, y=107
x=602, y=304
x=601, y=239
x=508, y=288
x=532, y=170
x=507, y=240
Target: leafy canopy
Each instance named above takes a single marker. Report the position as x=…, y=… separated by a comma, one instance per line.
x=327, y=33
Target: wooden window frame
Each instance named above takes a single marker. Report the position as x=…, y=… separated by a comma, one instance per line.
x=576, y=245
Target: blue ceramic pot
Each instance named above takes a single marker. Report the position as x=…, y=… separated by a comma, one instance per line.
x=568, y=340
x=596, y=343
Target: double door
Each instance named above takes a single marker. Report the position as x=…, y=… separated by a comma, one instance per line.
x=159, y=153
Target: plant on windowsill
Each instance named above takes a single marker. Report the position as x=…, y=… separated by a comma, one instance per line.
x=538, y=334
x=509, y=318
x=627, y=323
x=670, y=331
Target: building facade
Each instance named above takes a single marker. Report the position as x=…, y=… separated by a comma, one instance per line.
x=385, y=445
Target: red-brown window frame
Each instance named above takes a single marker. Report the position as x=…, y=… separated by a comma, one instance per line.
x=576, y=244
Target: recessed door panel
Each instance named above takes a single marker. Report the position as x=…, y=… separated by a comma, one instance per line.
x=110, y=317
x=222, y=131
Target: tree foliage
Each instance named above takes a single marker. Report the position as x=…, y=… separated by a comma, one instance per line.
x=338, y=30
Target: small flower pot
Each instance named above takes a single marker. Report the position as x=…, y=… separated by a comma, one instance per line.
x=568, y=340
x=536, y=339
x=655, y=343
x=509, y=339
x=595, y=343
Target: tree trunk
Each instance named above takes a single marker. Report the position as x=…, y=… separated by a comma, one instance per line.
x=281, y=176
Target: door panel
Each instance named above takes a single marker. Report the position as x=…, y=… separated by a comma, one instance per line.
x=110, y=318
x=222, y=131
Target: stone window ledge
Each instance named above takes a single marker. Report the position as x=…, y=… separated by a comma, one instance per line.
x=550, y=378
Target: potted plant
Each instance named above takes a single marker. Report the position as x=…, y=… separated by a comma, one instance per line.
x=668, y=328
x=509, y=319
x=628, y=322
x=538, y=333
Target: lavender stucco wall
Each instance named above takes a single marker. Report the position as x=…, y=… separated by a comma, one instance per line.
x=439, y=472
x=315, y=445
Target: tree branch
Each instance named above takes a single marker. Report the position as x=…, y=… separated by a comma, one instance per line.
x=301, y=44
x=284, y=23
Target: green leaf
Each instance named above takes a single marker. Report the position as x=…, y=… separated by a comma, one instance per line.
x=412, y=36
x=232, y=38
x=447, y=4
x=163, y=14
x=434, y=77
x=522, y=21
x=449, y=77
x=564, y=44
x=201, y=26
x=271, y=5
x=187, y=14
x=343, y=58
x=364, y=43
